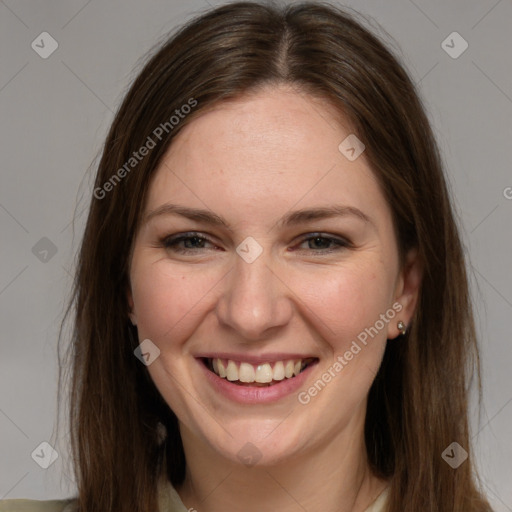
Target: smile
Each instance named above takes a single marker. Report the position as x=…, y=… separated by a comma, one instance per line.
x=262, y=379
x=261, y=374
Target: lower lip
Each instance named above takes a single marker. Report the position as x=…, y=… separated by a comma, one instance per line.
x=255, y=394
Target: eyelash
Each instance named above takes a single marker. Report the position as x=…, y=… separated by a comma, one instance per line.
x=171, y=242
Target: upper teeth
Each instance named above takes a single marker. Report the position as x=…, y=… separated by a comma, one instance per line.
x=262, y=373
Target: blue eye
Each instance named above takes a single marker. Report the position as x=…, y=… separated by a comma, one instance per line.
x=322, y=243
x=191, y=242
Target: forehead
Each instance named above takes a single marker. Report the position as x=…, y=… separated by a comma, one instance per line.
x=264, y=152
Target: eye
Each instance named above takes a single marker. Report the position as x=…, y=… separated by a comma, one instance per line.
x=318, y=242
x=186, y=242
x=193, y=242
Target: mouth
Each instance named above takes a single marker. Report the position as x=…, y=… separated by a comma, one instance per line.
x=264, y=374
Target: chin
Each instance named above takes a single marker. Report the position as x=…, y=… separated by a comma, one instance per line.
x=257, y=443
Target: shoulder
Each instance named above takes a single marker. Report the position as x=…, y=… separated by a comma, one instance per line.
x=37, y=506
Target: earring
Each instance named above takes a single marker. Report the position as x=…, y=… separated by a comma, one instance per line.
x=402, y=327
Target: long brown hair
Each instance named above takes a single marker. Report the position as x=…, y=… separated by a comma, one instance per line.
x=418, y=403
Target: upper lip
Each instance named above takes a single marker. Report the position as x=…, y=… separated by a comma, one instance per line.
x=256, y=359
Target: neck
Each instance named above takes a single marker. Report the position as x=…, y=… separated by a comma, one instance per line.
x=331, y=478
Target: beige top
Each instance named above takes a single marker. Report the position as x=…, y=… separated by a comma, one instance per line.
x=168, y=501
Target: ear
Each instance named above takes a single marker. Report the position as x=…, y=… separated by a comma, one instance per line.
x=407, y=291
x=131, y=314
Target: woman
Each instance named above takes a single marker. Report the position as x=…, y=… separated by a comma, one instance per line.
x=272, y=309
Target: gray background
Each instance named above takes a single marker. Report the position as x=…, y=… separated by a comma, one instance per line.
x=54, y=114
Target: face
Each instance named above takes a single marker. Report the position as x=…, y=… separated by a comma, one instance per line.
x=261, y=244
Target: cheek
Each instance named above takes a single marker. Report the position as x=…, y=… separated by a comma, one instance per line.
x=167, y=302
x=344, y=301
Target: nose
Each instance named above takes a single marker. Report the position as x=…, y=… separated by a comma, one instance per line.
x=255, y=302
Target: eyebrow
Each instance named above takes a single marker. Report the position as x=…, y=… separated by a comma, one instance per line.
x=289, y=219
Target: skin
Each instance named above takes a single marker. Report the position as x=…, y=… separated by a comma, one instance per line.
x=251, y=161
